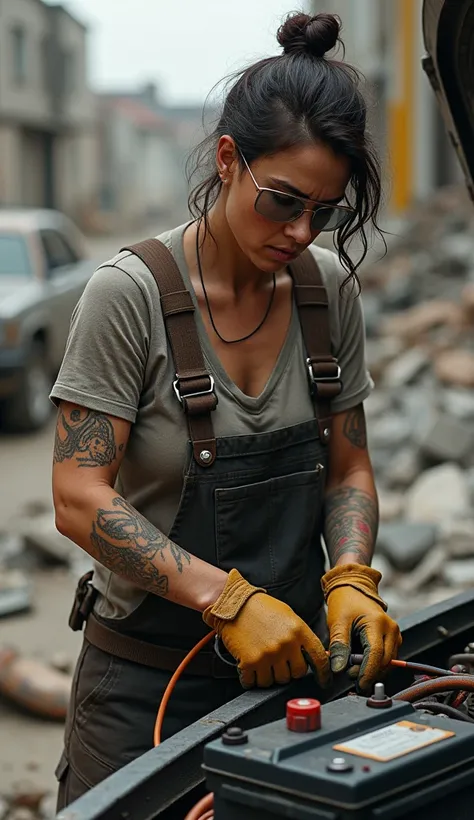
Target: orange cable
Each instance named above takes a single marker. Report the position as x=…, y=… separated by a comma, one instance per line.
x=191, y=654
x=202, y=810
x=173, y=680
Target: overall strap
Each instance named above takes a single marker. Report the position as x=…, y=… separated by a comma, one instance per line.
x=194, y=386
x=323, y=370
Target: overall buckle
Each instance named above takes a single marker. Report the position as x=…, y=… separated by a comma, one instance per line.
x=183, y=396
x=328, y=373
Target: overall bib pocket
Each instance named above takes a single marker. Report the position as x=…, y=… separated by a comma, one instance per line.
x=266, y=529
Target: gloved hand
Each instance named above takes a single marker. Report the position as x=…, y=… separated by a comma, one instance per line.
x=355, y=608
x=264, y=635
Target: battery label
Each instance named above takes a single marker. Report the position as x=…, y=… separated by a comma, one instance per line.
x=393, y=741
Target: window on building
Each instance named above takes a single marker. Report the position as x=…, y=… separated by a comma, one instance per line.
x=19, y=54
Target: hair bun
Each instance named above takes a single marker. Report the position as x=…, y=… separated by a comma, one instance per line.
x=303, y=34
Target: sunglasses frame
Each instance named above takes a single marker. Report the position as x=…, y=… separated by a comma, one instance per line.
x=341, y=208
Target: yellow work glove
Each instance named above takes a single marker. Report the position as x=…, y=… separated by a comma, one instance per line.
x=356, y=609
x=270, y=643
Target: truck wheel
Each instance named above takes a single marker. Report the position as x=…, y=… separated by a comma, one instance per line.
x=30, y=408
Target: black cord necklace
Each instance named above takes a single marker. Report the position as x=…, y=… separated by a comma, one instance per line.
x=229, y=341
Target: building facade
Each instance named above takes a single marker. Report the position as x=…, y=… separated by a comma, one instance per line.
x=48, y=123
x=383, y=38
x=145, y=145
x=140, y=173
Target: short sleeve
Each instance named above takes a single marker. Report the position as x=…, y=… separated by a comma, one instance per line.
x=105, y=359
x=349, y=338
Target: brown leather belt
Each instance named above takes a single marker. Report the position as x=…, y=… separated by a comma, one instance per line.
x=166, y=658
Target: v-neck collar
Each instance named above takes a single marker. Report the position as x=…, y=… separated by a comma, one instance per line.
x=250, y=403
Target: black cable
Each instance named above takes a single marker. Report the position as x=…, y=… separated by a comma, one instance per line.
x=442, y=709
x=462, y=658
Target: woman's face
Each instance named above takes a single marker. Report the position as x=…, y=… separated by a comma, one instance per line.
x=310, y=171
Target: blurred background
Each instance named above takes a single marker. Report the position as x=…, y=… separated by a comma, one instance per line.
x=100, y=105
x=97, y=115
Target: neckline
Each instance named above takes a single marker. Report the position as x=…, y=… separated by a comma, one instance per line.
x=251, y=403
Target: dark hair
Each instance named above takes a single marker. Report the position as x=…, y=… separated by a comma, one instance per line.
x=292, y=99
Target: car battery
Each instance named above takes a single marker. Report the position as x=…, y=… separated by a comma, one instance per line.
x=352, y=759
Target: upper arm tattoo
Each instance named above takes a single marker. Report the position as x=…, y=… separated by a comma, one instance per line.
x=89, y=436
x=354, y=427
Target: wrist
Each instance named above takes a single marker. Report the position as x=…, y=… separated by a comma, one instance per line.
x=351, y=558
x=208, y=592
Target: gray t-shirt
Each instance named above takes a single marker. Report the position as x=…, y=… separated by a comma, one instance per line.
x=118, y=361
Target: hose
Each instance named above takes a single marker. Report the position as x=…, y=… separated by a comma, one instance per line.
x=436, y=687
x=442, y=709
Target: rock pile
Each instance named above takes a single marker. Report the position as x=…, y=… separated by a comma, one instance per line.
x=419, y=309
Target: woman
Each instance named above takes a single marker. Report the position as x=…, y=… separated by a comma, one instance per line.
x=225, y=532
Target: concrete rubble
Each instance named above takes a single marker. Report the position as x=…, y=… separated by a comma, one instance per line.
x=419, y=307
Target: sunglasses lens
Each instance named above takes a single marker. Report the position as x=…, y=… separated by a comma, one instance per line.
x=329, y=218
x=286, y=208
x=278, y=207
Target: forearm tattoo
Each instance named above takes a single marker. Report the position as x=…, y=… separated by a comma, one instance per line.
x=88, y=436
x=128, y=544
x=350, y=524
x=354, y=427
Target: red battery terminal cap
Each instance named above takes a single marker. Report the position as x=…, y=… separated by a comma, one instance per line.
x=303, y=715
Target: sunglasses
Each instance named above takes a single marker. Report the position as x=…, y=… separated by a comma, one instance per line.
x=281, y=207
